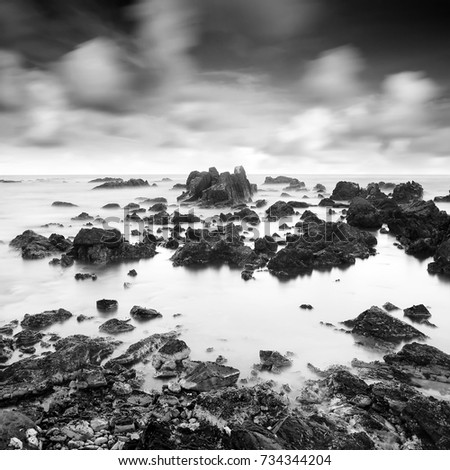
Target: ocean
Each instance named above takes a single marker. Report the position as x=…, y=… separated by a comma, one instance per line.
x=218, y=309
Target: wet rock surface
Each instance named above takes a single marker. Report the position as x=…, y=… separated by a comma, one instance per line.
x=35, y=246
x=141, y=313
x=118, y=183
x=43, y=320
x=363, y=214
x=345, y=191
x=116, y=326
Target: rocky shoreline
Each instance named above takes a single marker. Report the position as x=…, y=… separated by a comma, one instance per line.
x=79, y=394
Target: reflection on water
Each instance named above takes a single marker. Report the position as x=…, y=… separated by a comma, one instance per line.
x=218, y=309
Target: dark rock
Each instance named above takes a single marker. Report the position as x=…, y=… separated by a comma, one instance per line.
x=442, y=198
x=27, y=349
x=158, y=207
x=84, y=276
x=27, y=338
x=260, y=203
x=142, y=313
x=363, y=214
x=33, y=376
x=441, y=263
x=43, y=320
x=119, y=183
x=107, y=305
x=306, y=306
x=6, y=349
x=63, y=204
x=207, y=376
x=106, y=179
x=247, y=215
x=273, y=361
x=266, y=245
x=417, y=312
x=172, y=244
x=8, y=328
x=132, y=273
x=326, y=202
x=81, y=318
x=345, y=190
x=100, y=246
x=83, y=216
x=299, y=204
x=16, y=425
x=407, y=192
x=115, y=326
x=154, y=200
x=131, y=206
x=247, y=274
x=34, y=246
x=319, y=188
x=281, y=180
x=167, y=361
x=179, y=186
x=189, y=218
x=280, y=210
x=111, y=205
x=390, y=307
x=376, y=324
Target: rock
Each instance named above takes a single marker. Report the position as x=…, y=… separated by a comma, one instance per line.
x=34, y=246
x=281, y=180
x=111, y=205
x=107, y=304
x=27, y=349
x=273, y=361
x=207, y=376
x=15, y=425
x=417, y=313
x=363, y=214
x=386, y=330
x=168, y=360
x=172, y=244
x=132, y=273
x=422, y=362
x=389, y=307
x=319, y=188
x=299, y=204
x=322, y=245
x=306, y=307
x=280, y=210
x=27, y=338
x=99, y=424
x=266, y=245
x=83, y=216
x=106, y=179
x=442, y=198
x=118, y=183
x=100, y=246
x=8, y=328
x=326, y=202
x=140, y=350
x=6, y=349
x=345, y=190
x=407, y=192
x=158, y=207
x=84, y=276
x=247, y=215
x=214, y=189
x=260, y=203
x=72, y=355
x=43, y=320
x=141, y=313
x=189, y=218
x=115, y=326
x=121, y=389
x=63, y=204
x=81, y=318
x=441, y=263
x=247, y=274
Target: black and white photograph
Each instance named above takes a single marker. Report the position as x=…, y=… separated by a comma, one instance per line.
x=224, y=226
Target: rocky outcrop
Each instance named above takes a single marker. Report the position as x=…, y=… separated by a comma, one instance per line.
x=168, y=361
x=321, y=245
x=363, y=214
x=441, y=263
x=280, y=210
x=6, y=349
x=272, y=361
x=442, y=198
x=210, y=188
x=379, y=329
x=39, y=321
x=116, y=326
x=120, y=183
x=101, y=246
x=207, y=376
x=35, y=246
x=141, y=313
x=74, y=357
x=345, y=191
x=281, y=180
x=266, y=245
x=407, y=192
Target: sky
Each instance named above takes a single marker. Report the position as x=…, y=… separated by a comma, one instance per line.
x=279, y=86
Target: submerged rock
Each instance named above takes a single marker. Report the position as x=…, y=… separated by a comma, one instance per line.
x=273, y=361
x=363, y=214
x=207, y=376
x=118, y=183
x=417, y=313
x=43, y=320
x=386, y=330
x=107, y=304
x=142, y=313
x=115, y=326
x=442, y=198
x=280, y=210
x=345, y=190
x=281, y=180
x=389, y=307
x=63, y=204
x=35, y=246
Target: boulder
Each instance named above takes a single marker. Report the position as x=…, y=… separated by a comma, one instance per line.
x=6, y=349
x=27, y=338
x=83, y=216
x=377, y=325
x=39, y=321
x=266, y=245
x=389, y=307
x=417, y=313
x=407, y=192
x=17, y=427
x=326, y=202
x=281, y=180
x=63, y=204
x=345, y=190
x=111, y=205
x=158, y=207
x=207, y=376
x=247, y=215
x=442, y=198
x=280, y=209
x=273, y=361
x=99, y=246
x=441, y=263
x=118, y=183
x=141, y=313
x=35, y=246
x=115, y=326
x=363, y=214
x=8, y=328
x=319, y=188
x=107, y=304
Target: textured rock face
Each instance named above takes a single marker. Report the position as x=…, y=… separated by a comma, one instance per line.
x=442, y=198
x=441, y=263
x=421, y=361
x=116, y=326
x=282, y=180
x=322, y=245
x=280, y=210
x=208, y=376
x=363, y=214
x=119, y=183
x=376, y=324
x=273, y=361
x=35, y=246
x=345, y=190
x=210, y=188
x=15, y=425
x=417, y=312
x=34, y=376
x=142, y=313
x=100, y=246
x=407, y=192
x=43, y=320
